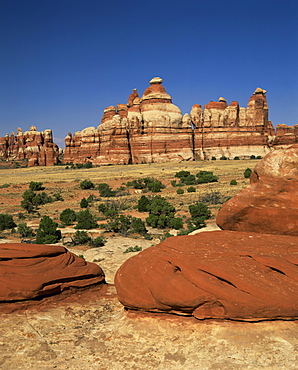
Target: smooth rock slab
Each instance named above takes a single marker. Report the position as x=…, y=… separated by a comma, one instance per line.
x=28, y=271
x=216, y=274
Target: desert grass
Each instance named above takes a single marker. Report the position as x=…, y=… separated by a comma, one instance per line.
x=58, y=179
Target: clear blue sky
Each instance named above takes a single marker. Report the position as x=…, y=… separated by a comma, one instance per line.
x=63, y=61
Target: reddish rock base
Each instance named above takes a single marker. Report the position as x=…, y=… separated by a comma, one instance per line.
x=217, y=274
x=270, y=203
x=30, y=271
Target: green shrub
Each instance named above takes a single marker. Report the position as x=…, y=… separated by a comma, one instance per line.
x=47, y=232
x=84, y=203
x=213, y=158
x=138, y=226
x=191, y=189
x=176, y=223
x=86, y=184
x=81, y=165
x=35, y=186
x=4, y=186
x=182, y=174
x=32, y=200
x=180, y=191
x=205, y=177
x=24, y=230
x=85, y=220
x=143, y=204
x=236, y=158
x=160, y=213
x=199, y=214
x=98, y=242
x=223, y=158
x=105, y=190
x=147, y=183
x=68, y=216
x=57, y=197
x=108, y=210
x=133, y=249
x=155, y=186
x=6, y=222
x=174, y=183
x=233, y=182
x=259, y=157
x=80, y=238
x=252, y=157
x=247, y=173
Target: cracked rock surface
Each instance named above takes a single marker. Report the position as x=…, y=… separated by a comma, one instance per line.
x=216, y=274
x=95, y=332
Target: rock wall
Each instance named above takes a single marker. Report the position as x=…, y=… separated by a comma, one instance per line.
x=37, y=147
x=152, y=129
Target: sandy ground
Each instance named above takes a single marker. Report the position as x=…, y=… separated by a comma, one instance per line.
x=92, y=330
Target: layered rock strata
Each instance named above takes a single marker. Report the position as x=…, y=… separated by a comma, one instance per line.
x=270, y=203
x=35, y=146
x=151, y=128
x=29, y=271
x=216, y=274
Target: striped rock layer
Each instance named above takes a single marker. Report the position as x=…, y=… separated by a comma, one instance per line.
x=152, y=129
x=36, y=147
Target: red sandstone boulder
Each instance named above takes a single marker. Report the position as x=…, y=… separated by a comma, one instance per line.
x=28, y=271
x=270, y=203
x=217, y=274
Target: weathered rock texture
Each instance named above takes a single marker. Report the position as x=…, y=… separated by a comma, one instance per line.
x=29, y=271
x=152, y=129
x=270, y=203
x=216, y=274
x=35, y=146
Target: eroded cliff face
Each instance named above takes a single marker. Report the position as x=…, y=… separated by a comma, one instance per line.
x=151, y=128
x=230, y=130
x=35, y=146
x=146, y=129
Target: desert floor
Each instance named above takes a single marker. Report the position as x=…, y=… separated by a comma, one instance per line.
x=91, y=329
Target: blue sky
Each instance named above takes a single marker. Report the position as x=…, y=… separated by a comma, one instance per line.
x=63, y=61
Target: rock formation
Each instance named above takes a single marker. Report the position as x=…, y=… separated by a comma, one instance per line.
x=30, y=271
x=143, y=130
x=270, y=203
x=215, y=274
x=152, y=129
x=37, y=147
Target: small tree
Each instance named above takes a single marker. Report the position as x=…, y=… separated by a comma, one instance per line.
x=35, y=186
x=24, y=230
x=86, y=184
x=247, y=173
x=85, y=220
x=199, y=213
x=233, y=182
x=80, y=238
x=6, y=222
x=155, y=186
x=105, y=190
x=191, y=189
x=143, y=203
x=84, y=203
x=138, y=226
x=68, y=216
x=98, y=242
x=47, y=232
x=180, y=191
x=160, y=213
